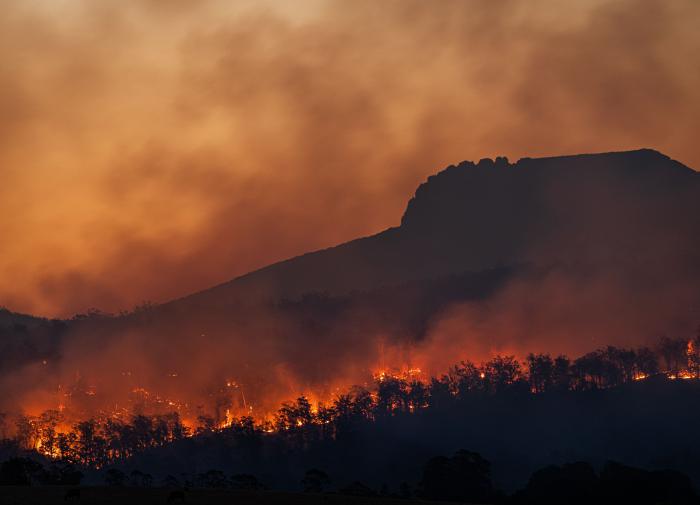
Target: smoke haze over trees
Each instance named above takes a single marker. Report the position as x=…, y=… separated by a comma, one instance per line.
x=556, y=255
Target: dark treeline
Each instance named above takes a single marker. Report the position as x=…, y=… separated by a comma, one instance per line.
x=103, y=440
x=402, y=421
x=462, y=477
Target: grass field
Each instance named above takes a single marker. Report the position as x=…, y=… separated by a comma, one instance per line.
x=16, y=495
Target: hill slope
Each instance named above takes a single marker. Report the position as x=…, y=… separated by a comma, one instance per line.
x=470, y=217
x=560, y=255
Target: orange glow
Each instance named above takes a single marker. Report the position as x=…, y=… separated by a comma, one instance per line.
x=199, y=128
x=46, y=428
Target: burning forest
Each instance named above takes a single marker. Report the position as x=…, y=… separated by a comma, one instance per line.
x=240, y=251
x=80, y=429
x=426, y=338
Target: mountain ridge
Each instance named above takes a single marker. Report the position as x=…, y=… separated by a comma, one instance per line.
x=522, y=182
x=455, y=179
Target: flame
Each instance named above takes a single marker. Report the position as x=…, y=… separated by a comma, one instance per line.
x=404, y=373
x=74, y=403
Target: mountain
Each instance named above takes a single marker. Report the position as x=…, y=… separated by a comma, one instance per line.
x=558, y=255
x=612, y=207
x=25, y=338
x=10, y=320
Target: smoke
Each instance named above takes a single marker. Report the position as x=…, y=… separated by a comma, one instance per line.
x=154, y=149
x=560, y=312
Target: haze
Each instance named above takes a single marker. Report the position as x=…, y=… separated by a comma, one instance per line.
x=151, y=151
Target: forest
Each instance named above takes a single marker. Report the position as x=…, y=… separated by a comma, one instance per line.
x=319, y=447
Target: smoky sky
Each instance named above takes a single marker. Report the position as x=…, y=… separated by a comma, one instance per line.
x=150, y=149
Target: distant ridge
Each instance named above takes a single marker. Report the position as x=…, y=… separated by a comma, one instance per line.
x=475, y=216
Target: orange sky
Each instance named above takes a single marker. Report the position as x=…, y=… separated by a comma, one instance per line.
x=152, y=150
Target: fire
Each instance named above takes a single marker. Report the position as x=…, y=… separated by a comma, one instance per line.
x=404, y=373
x=692, y=369
x=81, y=412
x=228, y=420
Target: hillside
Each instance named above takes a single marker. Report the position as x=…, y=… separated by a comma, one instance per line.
x=555, y=255
x=475, y=216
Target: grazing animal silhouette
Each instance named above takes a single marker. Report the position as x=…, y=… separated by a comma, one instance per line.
x=72, y=494
x=176, y=496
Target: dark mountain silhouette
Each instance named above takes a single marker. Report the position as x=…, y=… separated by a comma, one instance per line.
x=579, y=210
x=604, y=243
x=614, y=207
x=25, y=338
x=10, y=319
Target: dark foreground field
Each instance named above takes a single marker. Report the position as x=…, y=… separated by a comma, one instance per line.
x=41, y=495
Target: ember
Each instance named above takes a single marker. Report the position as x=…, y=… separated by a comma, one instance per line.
x=149, y=419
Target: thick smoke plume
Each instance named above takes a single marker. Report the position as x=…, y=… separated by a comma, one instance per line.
x=152, y=149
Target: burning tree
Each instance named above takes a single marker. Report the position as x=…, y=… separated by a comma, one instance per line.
x=110, y=436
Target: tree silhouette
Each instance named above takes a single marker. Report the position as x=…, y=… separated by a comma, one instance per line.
x=27, y=434
x=647, y=363
x=417, y=395
x=138, y=478
x=325, y=416
x=21, y=472
x=47, y=430
x=589, y=371
x=620, y=365
x=171, y=481
x=569, y=484
x=561, y=375
x=500, y=372
x=246, y=482
x=115, y=477
x=468, y=379
x=673, y=351
x=362, y=403
x=392, y=395
x=213, y=479
x=624, y=484
x=357, y=488
x=3, y=425
x=295, y=415
x=315, y=481
x=440, y=395
x=91, y=446
x=62, y=473
x=541, y=372
x=466, y=476
x=206, y=424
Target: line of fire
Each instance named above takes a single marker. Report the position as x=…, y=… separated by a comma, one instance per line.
x=75, y=430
